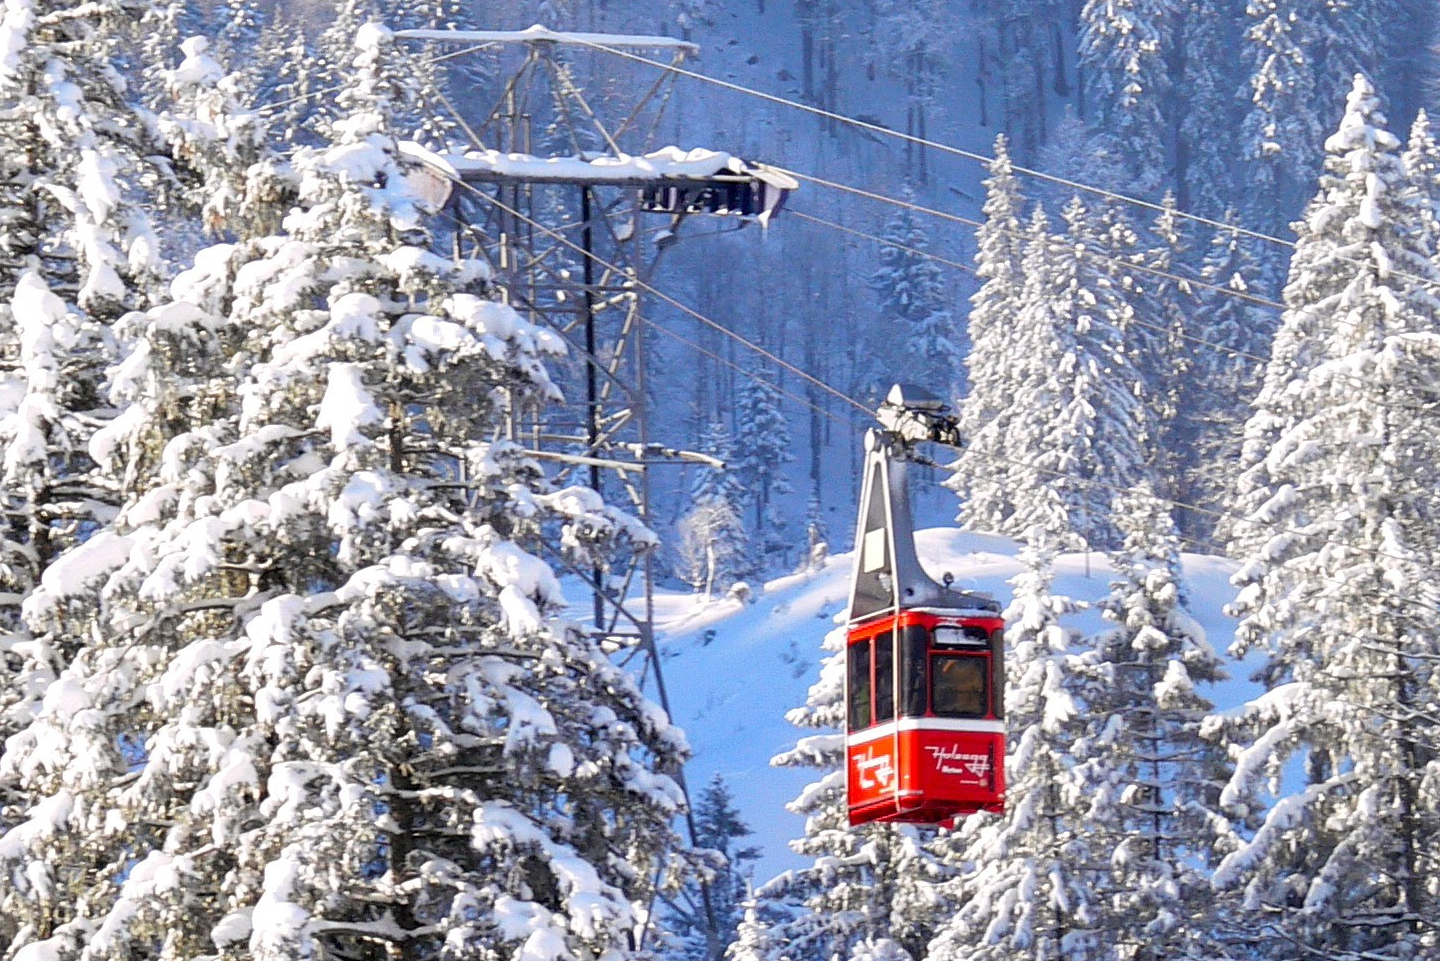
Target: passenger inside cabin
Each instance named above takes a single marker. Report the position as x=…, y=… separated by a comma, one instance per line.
x=958, y=686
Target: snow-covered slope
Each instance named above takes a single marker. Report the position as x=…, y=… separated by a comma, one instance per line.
x=734, y=669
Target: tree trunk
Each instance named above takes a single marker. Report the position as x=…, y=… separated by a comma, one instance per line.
x=805, y=13
x=981, y=74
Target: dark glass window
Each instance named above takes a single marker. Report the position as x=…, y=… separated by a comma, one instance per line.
x=958, y=685
x=858, y=684
x=912, y=671
x=997, y=670
x=950, y=635
x=884, y=677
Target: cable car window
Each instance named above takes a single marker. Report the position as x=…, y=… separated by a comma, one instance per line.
x=997, y=670
x=884, y=677
x=948, y=636
x=958, y=686
x=859, y=684
x=913, y=641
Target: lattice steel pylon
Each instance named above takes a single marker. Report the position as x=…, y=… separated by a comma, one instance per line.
x=566, y=199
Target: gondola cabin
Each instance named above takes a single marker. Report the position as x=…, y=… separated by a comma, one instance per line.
x=924, y=735
x=924, y=678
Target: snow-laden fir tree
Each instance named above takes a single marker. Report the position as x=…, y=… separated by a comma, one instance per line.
x=1206, y=179
x=706, y=921
x=1150, y=781
x=1225, y=373
x=1077, y=430
x=325, y=705
x=1282, y=131
x=1161, y=348
x=77, y=153
x=863, y=885
x=1422, y=163
x=980, y=472
x=1321, y=273
x=422, y=113
x=762, y=444
x=222, y=146
x=1024, y=889
x=232, y=27
x=1338, y=590
x=915, y=332
x=76, y=251
x=724, y=482
x=1124, y=45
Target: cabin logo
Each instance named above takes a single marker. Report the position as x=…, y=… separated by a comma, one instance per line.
x=952, y=760
x=873, y=772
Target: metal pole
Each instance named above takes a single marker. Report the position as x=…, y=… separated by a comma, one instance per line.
x=592, y=385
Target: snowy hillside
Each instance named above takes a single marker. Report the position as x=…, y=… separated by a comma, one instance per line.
x=734, y=669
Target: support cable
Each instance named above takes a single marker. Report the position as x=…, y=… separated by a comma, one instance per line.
x=1198, y=341
x=969, y=222
x=1087, y=482
x=661, y=295
x=934, y=145
x=1125, y=265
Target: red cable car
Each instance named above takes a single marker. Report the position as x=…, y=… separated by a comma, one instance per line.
x=924, y=678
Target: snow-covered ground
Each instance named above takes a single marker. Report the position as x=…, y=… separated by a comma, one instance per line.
x=734, y=669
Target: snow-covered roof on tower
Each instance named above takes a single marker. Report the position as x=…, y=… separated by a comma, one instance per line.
x=539, y=34
x=667, y=163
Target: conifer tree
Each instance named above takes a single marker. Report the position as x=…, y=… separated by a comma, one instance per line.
x=1206, y=143
x=1024, y=888
x=1224, y=376
x=708, y=922
x=326, y=703
x=916, y=332
x=1077, y=431
x=222, y=145
x=1422, y=164
x=1161, y=349
x=76, y=252
x=868, y=883
x=1123, y=48
x=1320, y=270
x=762, y=444
x=980, y=472
x=1151, y=782
x=1337, y=590
x=1281, y=133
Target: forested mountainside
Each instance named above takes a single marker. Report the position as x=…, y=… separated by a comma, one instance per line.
x=288, y=671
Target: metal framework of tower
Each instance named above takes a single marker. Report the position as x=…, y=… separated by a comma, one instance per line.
x=561, y=198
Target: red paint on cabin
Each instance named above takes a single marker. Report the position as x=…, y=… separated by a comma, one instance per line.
x=925, y=740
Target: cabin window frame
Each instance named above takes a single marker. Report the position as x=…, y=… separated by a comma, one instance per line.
x=882, y=688
x=853, y=719
x=913, y=641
